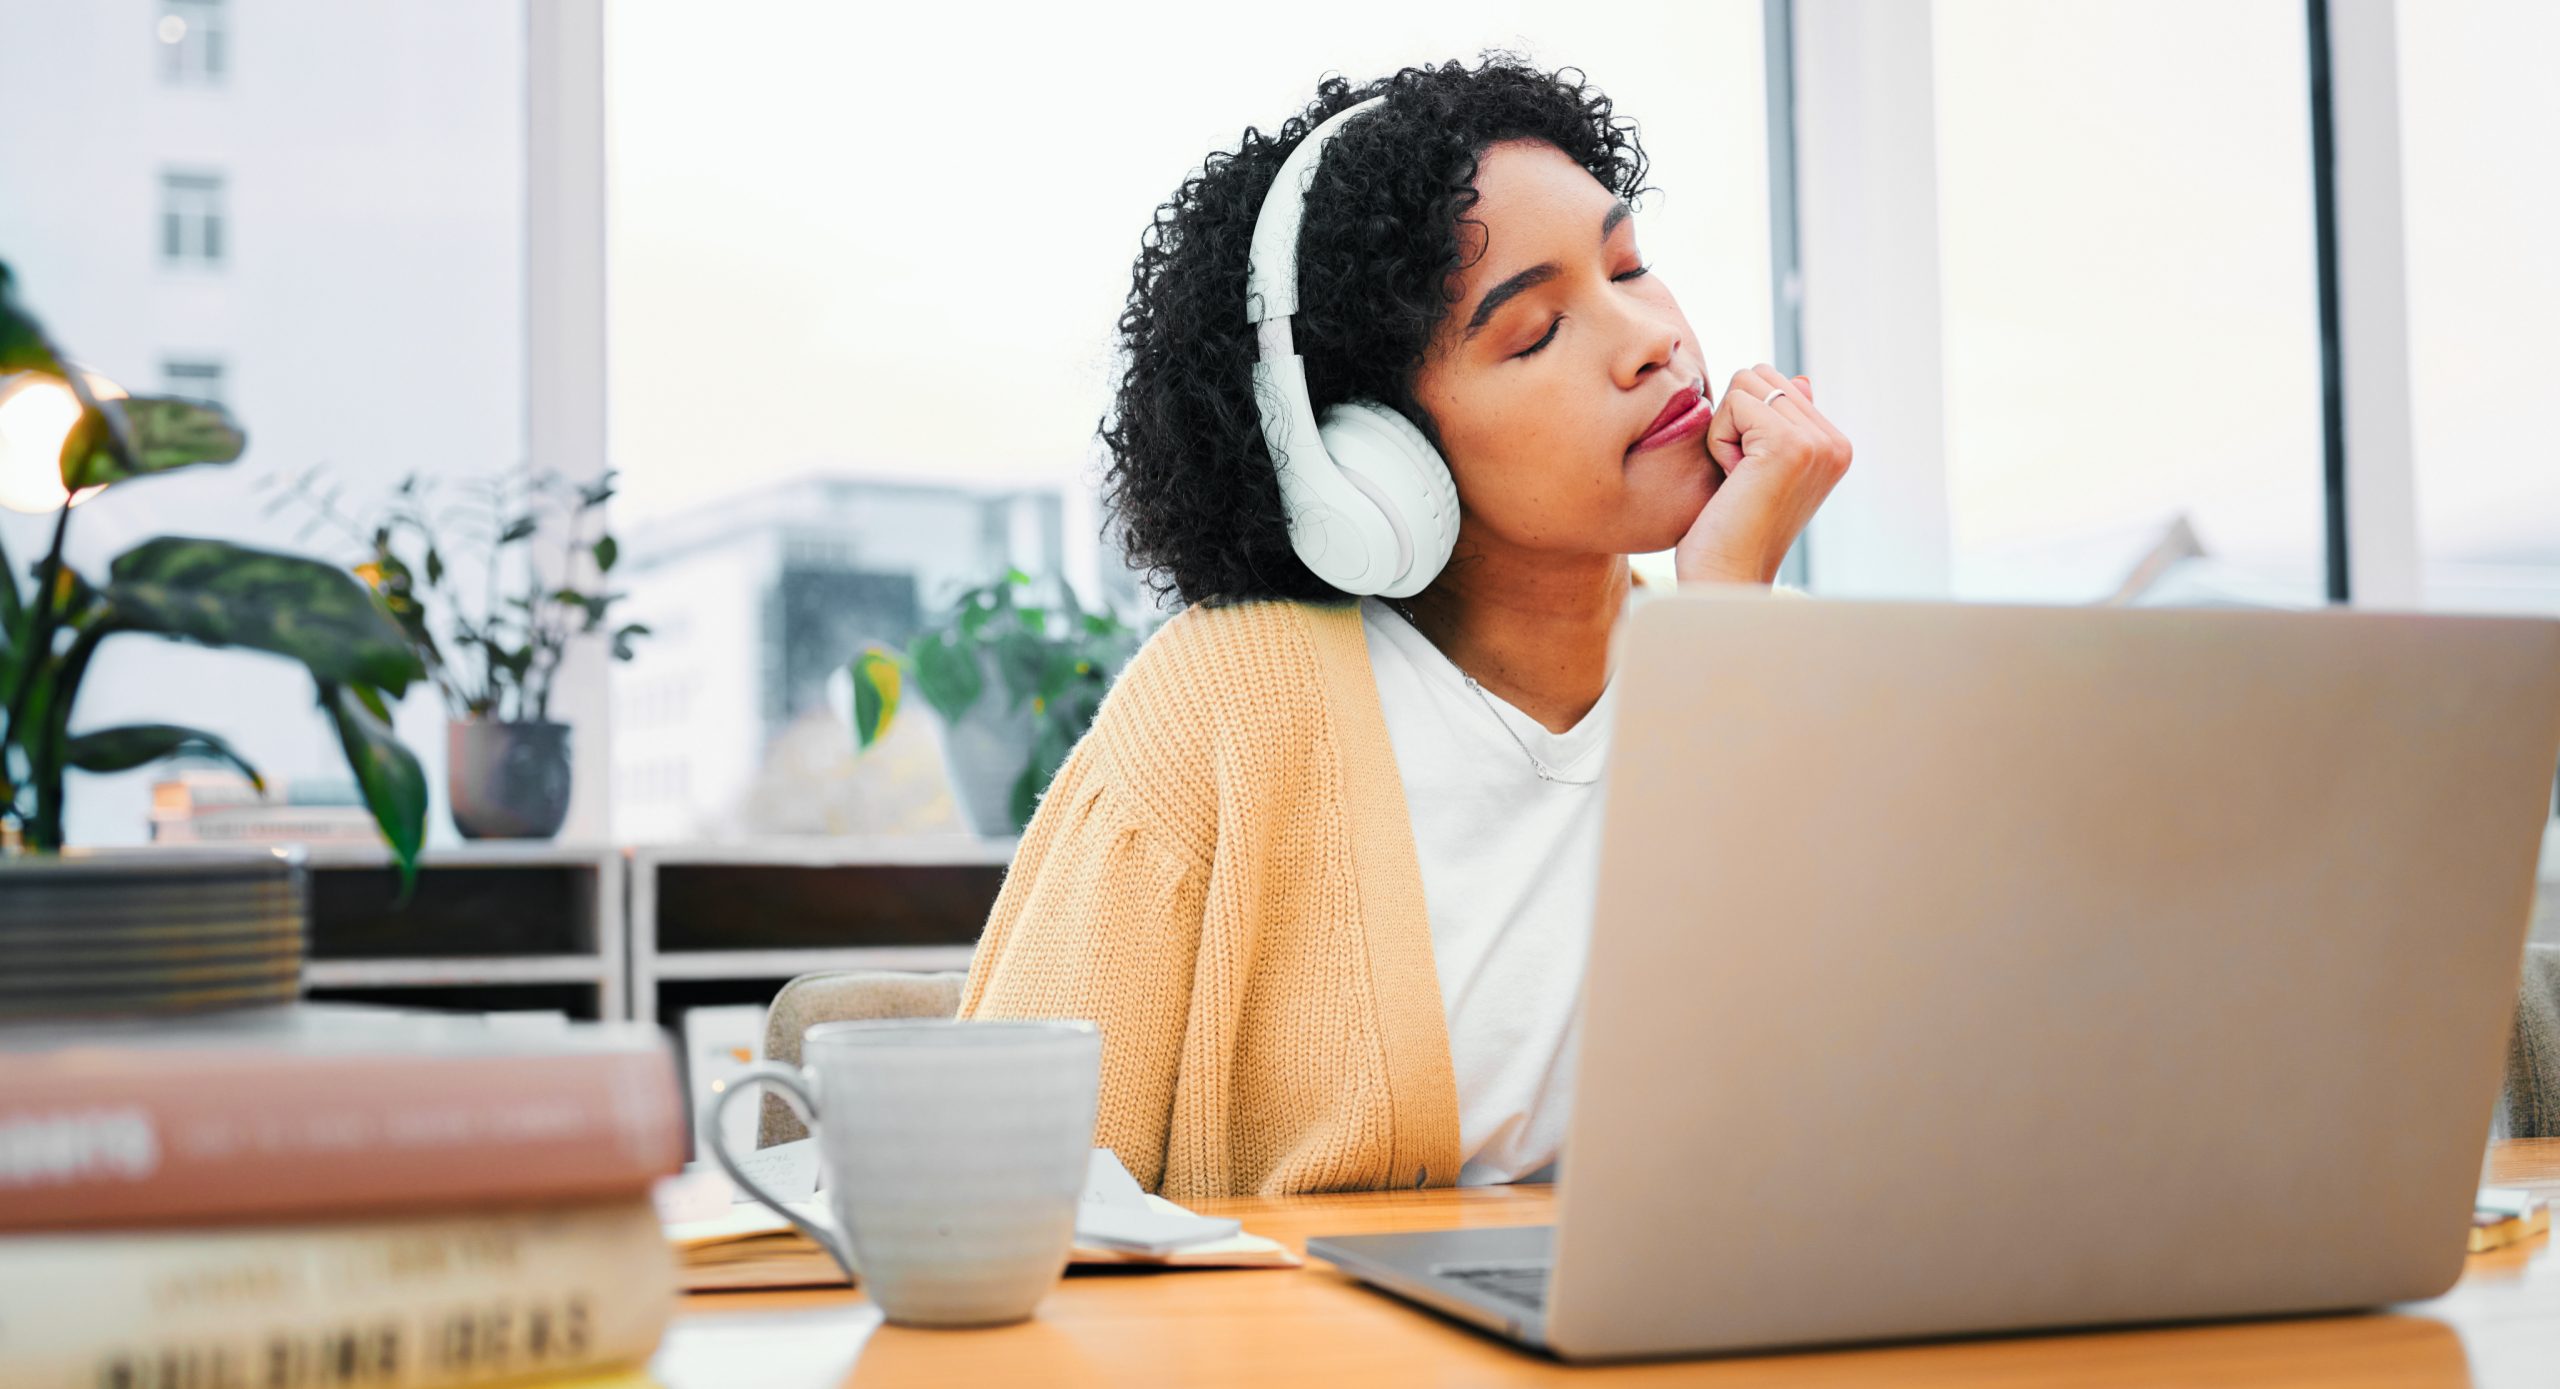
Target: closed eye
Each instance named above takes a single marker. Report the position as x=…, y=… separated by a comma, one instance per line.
x=1534, y=348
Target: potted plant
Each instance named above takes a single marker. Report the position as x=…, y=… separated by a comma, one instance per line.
x=1053, y=663
x=126, y=920
x=494, y=652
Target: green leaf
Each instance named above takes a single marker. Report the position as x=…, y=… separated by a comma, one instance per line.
x=515, y=661
x=1050, y=744
x=1019, y=657
x=73, y=596
x=374, y=703
x=435, y=567
x=123, y=749
x=141, y=435
x=1017, y=578
x=622, y=636
x=395, y=789
x=949, y=678
x=518, y=529
x=1025, y=798
x=599, y=606
x=221, y=594
x=606, y=552
x=22, y=342
x=1059, y=667
x=13, y=609
x=877, y=681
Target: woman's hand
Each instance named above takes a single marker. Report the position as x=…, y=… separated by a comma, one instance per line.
x=1781, y=458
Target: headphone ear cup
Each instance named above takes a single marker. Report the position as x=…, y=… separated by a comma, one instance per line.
x=1398, y=468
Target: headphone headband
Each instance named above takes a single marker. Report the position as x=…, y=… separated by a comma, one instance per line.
x=1271, y=269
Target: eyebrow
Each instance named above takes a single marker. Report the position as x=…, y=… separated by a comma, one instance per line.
x=1536, y=275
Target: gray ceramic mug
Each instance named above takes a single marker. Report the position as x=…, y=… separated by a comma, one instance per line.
x=954, y=1154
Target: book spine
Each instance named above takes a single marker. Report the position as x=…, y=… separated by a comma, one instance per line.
x=408, y=1304
x=166, y=1138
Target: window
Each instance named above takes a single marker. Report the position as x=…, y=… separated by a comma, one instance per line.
x=192, y=379
x=2484, y=294
x=384, y=182
x=2133, y=394
x=922, y=266
x=193, y=40
x=191, y=219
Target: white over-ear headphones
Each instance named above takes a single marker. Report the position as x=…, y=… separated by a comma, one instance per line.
x=1372, y=508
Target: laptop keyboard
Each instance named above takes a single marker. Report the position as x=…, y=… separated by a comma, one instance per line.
x=1521, y=1284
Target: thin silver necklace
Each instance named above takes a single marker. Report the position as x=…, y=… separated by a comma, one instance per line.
x=1545, y=772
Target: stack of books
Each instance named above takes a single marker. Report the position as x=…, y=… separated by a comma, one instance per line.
x=331, y=1196
x=222, y=807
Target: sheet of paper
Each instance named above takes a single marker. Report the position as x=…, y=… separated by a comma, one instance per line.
x=1107, y=1183
x=1113, y=1214
x=739, y=1222
x=788, y=1170
x=1149, y=1231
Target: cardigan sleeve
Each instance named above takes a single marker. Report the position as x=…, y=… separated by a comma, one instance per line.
x=1100, y=918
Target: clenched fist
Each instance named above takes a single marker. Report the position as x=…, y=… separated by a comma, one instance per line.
x=1780, y=458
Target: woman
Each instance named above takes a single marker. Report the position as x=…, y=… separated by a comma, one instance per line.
x=1322, y=869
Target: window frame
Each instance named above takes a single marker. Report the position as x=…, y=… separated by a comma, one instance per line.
x=178, y=374
x=200, y=57
x=195, y=205
x=1859, y=156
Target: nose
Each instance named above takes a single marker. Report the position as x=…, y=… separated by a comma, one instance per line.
x=1650, y=342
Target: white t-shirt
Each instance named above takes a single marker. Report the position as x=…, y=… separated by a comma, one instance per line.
x=1509, y=863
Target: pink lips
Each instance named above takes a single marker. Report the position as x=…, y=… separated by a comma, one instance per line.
x=1683, y=418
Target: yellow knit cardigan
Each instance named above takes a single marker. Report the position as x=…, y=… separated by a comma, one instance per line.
x=1223, y=878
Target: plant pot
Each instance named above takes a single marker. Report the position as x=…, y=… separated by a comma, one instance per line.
x=507, y=780
x=985, y=752
x=150, y=932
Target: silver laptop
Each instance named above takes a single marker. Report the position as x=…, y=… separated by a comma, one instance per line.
x=1965, y=969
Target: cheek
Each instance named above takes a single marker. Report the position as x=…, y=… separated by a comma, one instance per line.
x=1549, y=414
x=1533, y=460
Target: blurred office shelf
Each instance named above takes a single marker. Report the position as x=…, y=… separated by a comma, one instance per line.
x=492, y=927
x=649, y=931
x=643, y=932
x=729, y=923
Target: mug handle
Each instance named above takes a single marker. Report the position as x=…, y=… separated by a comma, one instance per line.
x=794, y=1084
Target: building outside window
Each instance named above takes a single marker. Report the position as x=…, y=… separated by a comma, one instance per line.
x=191, y=218
x=419, y=107
x=192, y=378
x=194, y=42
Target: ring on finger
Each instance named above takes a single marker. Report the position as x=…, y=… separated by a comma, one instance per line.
x=1773, y=395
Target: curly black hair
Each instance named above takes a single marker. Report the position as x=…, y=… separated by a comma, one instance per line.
x=1191, y=488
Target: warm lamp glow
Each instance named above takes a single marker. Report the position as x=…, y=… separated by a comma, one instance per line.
x=36, y=415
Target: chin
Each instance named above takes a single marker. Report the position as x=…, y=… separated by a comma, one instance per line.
x=1672, y=499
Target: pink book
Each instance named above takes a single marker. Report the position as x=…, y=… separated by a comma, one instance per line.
x=314, y=1109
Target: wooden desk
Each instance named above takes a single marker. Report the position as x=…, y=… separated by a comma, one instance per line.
x=1314, y=1327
